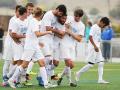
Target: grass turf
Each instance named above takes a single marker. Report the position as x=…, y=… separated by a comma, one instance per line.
x=88, y=80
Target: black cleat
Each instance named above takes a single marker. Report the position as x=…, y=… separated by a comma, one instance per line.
x=73, y=85
x=59, y=81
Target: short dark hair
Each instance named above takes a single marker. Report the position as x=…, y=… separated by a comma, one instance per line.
x=105, y=20
x=38, y=12
x=17, y=7
x=78, y=12
x=22, y=10
x=62, y=8
x=29, y=4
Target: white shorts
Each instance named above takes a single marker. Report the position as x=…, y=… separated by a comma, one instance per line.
x=17, y=51
x=48, y=48
x=8, y=51
x=34, y=55
x=56, y=51
x=94, y=57
x=67, y=52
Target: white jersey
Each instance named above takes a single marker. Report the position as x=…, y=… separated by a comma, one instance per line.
x=20, y=27
x=49, y=19
x=31, y=41
x=61, y=27
x=40, y=38
x=57, y=42
x=95, y=32
x=8, y=39
x=28, y=19
x=77, y=28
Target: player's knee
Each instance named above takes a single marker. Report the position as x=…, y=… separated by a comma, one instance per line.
x=91, y=64
x=101, y=64
x=56, y=63
x=25, y=64
x=41, y=63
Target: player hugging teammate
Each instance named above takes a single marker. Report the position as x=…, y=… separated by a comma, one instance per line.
x=46, y=39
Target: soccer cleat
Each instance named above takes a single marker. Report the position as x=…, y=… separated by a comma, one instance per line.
x=73, y=85
x=50, y=85
x=59, y=81
x=102, y=82
x=32, y=73
x=11, y=83
x=27, y=84
x=40, y=81
x=20, y=85
x=5, y=84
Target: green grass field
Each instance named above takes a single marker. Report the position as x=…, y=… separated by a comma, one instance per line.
x=88, y=80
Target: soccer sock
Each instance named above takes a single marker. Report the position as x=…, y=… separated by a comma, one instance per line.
x=6, y=67
x=18, y=71
x=84, y=69
x=53, y=66
x=30, y=66
x=44, y=75
x=68, y=74
x=50, y=71
x=11, y=72
x=100, y=70
x=48, y=59
x=64, y=72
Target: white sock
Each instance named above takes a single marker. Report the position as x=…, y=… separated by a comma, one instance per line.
x=6, y=67
x=30, y=66
x=64, y=72
x=48, y=59
x=17, y=72
x=11, y=72
x=100, y=70
x=50, y=72
x=44, y=75
x=84, y=69
x=53, y=66
x=69, y=74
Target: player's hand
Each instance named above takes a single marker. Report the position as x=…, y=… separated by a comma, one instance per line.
x=49, y=32
x=96, y=49
x=67, y=25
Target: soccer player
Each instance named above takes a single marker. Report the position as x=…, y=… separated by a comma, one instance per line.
x=74, y=33
x=94, y=51
x=47, y=24
x=32, y=50
x=7, y=55
x=18, y=35
x=29, y=7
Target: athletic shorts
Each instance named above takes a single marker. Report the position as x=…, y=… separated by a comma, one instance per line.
x=67, y=52
x=94, y=57
x=33, y=55
x=17, y=51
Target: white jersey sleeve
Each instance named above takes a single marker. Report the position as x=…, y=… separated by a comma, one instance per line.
x=14, y=27
x=92, y=31
x=81, y=29
x=48, y=19
x=35, y=26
